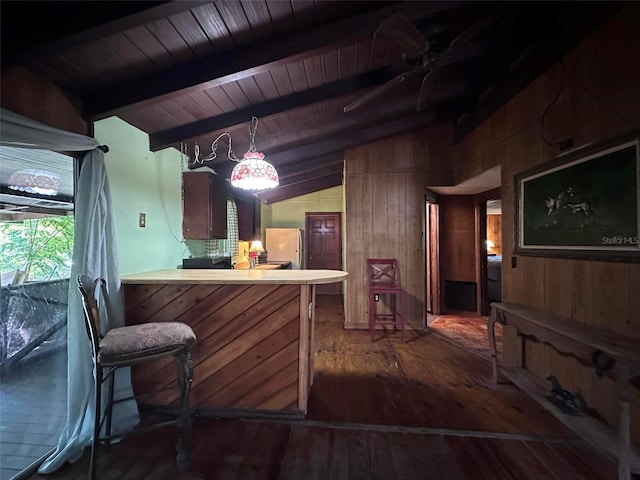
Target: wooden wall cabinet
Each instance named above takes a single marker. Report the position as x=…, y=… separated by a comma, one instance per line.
x=248, y=216
x=204, y=212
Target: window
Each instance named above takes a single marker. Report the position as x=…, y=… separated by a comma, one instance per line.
x=36, y=241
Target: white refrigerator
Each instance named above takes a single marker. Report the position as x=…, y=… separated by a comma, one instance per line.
x=284, y=245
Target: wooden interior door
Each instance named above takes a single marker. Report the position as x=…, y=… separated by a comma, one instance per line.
x=323, y=239
x=432, y=263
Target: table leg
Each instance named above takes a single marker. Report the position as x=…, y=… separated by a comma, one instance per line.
x=624, y=423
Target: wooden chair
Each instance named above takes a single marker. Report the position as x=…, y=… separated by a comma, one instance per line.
x=384, y=279
x=128, y=346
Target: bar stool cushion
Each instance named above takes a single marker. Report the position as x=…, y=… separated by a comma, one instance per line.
x=127, y=344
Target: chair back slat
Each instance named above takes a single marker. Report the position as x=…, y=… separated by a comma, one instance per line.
x=383, y=272
x=87, y=287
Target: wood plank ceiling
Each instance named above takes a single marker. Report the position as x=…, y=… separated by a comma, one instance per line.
x=186, y=71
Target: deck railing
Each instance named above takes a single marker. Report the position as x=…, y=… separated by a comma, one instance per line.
x=33, y=319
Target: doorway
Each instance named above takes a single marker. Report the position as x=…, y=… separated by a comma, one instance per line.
x=489, y=218
x=323, y=238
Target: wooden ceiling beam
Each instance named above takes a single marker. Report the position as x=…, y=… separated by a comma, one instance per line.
x=368, y=116
x=219, y=123
x=541, y=56
x=312, y=164
x=304, y=165
x=319, y=171
x=243, y=62
x=295, y=190
x=353, y=138
x=289, y=160
x=74, y=25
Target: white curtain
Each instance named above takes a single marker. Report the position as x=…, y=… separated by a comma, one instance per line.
x=19, y=131
x=94, y=253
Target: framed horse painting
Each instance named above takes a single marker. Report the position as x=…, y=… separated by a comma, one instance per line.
x=583, y=204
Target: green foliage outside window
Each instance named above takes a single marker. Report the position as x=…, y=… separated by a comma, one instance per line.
x=42, y=247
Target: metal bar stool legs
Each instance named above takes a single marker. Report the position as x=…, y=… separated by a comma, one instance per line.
x=129, y=346
x=97, y=416
x=184, y=366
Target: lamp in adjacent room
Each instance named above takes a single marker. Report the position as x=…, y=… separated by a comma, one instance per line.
x=41, y=182
x=255, y=250
x=490, y=245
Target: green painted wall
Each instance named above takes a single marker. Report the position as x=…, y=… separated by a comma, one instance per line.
x=290, y=213
x=146, y=182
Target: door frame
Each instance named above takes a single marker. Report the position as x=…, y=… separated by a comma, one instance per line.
x=432, y=255
x=307, y=217
x=480, y=201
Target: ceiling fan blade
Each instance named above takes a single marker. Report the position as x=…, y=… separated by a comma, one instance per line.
x=399, y=31
x=377, y=91
x=429, y=84
x=485, y=23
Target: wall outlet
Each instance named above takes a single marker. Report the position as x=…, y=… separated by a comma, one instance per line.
x=142, y=221
x=376, y=297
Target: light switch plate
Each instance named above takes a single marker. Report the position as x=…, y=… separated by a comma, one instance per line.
x=142, y=221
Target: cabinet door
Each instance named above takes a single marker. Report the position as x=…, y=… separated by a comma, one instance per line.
x=204, y=212
x=248, y=218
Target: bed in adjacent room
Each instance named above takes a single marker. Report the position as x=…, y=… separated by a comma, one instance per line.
x=494, y=278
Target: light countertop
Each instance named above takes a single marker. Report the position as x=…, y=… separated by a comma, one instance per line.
x=257, y=267
x=223, y=276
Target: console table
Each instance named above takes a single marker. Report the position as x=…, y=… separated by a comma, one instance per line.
x=614, y=355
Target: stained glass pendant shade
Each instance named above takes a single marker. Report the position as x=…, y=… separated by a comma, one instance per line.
x=253, y=172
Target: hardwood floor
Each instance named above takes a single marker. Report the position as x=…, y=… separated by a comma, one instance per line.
x=466, y=330
x=33, y=410
x=424, y=409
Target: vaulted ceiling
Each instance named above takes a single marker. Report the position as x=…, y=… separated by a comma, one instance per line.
x=186, y=71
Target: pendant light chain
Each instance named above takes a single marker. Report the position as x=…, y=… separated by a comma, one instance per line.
x=250, y=173
x=252, y=134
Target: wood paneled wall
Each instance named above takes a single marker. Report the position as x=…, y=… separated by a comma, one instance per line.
x=384, y=212
x=494, y=233
x=26, y=94
x=598, y=99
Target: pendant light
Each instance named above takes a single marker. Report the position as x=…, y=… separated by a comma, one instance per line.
x=253, y=172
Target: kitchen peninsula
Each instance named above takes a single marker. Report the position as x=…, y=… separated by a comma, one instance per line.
x=254, y=347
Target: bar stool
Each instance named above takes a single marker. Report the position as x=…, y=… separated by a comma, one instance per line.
x=132, y=345
x=384, y=279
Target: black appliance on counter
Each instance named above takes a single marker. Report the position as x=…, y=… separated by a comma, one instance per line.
x=206, y=262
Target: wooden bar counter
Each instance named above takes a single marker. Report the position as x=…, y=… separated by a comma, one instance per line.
x=254, y=348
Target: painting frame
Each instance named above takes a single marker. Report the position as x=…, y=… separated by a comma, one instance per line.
x=578, y=206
